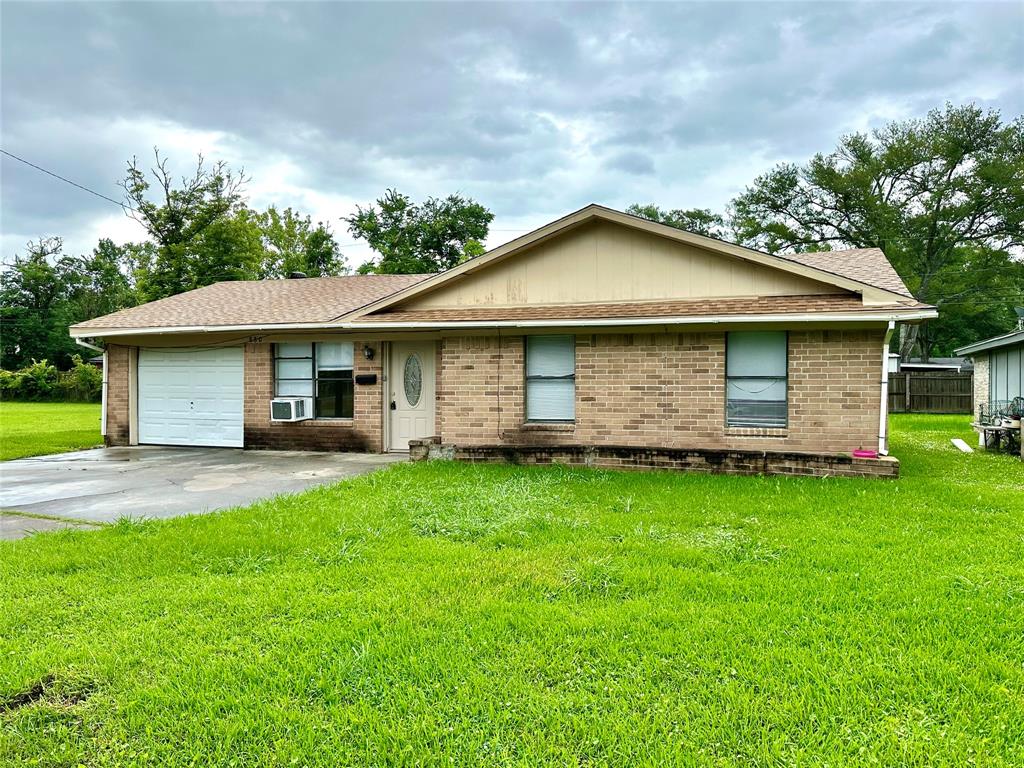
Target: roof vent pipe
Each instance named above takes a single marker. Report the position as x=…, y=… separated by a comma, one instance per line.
x=296, y=275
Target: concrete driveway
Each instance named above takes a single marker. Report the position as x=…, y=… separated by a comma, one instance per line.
x=102, y=485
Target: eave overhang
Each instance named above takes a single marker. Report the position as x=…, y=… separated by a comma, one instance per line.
x=915, y=315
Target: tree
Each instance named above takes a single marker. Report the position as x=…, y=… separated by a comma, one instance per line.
x=942, y=196
x=292, y=244
x=700, y=221
x=45, y=291
x=102, y=282
x=33, y=307
x=204, y=211
x=411, y=238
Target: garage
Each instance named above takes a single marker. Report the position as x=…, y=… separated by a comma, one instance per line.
x=191, y=396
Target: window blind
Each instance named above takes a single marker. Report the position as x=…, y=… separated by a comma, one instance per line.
x=756, y=385
x=550, y=378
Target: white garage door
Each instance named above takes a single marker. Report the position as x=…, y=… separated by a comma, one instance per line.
x=191, y=396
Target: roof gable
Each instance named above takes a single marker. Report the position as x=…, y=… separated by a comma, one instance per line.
x=602, y=261
x=600, y=255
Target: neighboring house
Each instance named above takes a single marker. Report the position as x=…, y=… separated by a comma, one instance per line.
x=998, y=368
x=600, y=338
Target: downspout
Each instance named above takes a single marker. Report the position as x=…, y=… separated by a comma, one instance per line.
x=103, y=395
x=103, y=399
x=883, y=410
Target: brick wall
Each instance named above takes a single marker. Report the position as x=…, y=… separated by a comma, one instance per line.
x=664, y=390
x=118, y=386
x=981, y=393
x=361, y=433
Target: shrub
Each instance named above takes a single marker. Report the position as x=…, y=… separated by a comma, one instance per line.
x=37, y=381
x=83, y=383
x=41, y=381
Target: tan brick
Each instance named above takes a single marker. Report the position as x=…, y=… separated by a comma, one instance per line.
x=363, y=432
x=664, y=390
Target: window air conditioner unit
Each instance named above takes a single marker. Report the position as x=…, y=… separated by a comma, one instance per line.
x=291, y=408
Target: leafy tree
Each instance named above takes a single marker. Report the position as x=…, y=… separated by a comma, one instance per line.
x=293, y=244
x=45, y=291
x=411, y=238
x=229, y=248
x=700, y=221
x=102, y=282
x=942, y=196
x=34, y=311
x=178, y=224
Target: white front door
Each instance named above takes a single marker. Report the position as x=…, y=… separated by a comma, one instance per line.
x=411, y=390
x=191, y=396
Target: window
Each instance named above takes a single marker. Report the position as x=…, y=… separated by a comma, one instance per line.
x=755, y=369
x=550, y=378
x=331, y=387
x=412, y=380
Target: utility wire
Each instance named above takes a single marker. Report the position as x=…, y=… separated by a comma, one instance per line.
x=68, y=181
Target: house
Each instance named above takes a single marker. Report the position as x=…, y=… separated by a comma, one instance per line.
x=998, y=368
x=600, y=338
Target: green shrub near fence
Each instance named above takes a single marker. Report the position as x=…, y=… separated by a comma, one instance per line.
x=42, y=382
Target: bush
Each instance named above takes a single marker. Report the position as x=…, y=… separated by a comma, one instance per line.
x=37, y=381
x=41, y=381
x=83, y=383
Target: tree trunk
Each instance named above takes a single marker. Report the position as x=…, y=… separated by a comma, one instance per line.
x=908, y=338
x=924, y=341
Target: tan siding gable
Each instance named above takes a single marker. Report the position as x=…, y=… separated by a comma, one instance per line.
x=606, y=262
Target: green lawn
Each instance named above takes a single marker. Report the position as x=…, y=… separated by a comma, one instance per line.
x=443, y=614
x=33, y=429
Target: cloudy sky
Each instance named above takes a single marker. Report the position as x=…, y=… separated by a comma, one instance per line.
x=534, y=110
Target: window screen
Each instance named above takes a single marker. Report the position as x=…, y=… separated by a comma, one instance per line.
x=550, y=378
x=755, y=364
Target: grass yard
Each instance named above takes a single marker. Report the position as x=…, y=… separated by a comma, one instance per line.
x=34, y=429
x=448, y=614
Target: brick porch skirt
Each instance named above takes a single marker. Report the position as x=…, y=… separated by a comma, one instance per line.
x=713, y=461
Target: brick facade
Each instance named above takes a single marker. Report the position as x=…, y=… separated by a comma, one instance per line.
x=981, y=393
x=664, y=390
x=661, y=391
x=118, y=376
x=363, y=432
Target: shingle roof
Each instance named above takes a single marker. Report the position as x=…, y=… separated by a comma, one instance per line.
x=258, y=302
x=865, y=265
x=763, y=305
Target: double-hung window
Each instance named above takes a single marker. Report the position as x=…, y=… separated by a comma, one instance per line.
x=755, y=369
x=322, y=371
x=551, y=378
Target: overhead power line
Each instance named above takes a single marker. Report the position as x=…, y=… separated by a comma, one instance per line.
x=100, y=195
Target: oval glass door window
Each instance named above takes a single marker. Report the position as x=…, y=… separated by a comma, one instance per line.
x=413, y=379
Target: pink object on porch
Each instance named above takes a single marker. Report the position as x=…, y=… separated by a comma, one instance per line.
x=861, y=453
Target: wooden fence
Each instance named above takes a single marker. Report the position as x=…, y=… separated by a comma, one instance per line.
x=928, y=392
